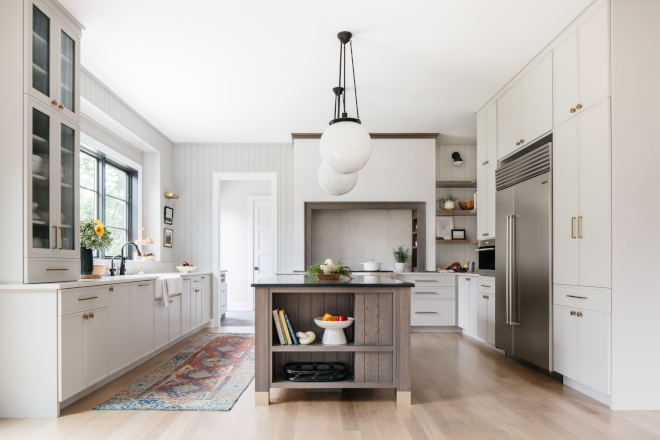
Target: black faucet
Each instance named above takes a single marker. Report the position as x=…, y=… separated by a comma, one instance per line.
x=122, y=266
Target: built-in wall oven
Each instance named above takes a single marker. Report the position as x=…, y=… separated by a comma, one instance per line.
x=486, y=257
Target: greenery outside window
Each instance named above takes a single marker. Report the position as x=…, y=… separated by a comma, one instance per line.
x=107, y=189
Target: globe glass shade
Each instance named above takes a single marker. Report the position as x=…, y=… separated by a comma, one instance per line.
x=345, y=147
x=336, y=184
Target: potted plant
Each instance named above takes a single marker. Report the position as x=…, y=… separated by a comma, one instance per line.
x=447, y=202
x=329, y=271
x=401, y=257
x=93, y=236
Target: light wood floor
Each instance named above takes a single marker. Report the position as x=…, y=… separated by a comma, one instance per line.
x=460, y=390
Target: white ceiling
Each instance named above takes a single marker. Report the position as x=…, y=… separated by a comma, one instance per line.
x=256, y=71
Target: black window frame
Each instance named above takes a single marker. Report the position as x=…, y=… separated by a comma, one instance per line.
x=132, y=187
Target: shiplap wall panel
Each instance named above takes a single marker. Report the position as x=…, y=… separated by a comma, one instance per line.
x=445, y=170
x=194, y=166
x=102, y=135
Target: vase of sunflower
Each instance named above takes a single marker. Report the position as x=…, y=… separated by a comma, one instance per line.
x=93, y=236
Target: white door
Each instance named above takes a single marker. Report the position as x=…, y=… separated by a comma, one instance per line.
x=566, y=79
x=565, y=203
x=463, y=302
x=142, y=320
x=482, y=319
x=161, y=324
x=474, y=305
x=482, y=141
x=261, y=239
x=491, y=201
x=593, y=48
x=490, y=336
x=119, y=337
x=175, y=317
x=72, y=354
x=565, y=341
x=537, y=101
x=185, y=307
x=594, y=224
x=491, y=135
x=482, y=204
x=509, y=121
x=198, y=299
x=594, y=353
x=96, y=346
x=206, y=298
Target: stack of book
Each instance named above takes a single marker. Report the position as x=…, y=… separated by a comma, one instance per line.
x=285, y=330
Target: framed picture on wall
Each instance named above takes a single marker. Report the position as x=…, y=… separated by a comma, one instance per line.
x=168, y=216
x=167, y=237
x=458, y=234
x=443, y=227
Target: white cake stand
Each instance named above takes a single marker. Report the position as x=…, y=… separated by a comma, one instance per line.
x=334, y=331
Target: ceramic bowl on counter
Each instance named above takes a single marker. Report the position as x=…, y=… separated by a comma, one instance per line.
x=186, y=269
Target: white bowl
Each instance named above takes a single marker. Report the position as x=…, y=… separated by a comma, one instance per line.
x=334, y=331
x=186, y=269
x=371, y=266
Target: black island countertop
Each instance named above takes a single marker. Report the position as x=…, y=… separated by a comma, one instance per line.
x=307, y=281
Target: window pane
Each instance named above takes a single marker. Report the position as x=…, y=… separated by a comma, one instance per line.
x=115, y=182
x=87, y=204
x=119, y=237
x=116, y=213
x=87, y=171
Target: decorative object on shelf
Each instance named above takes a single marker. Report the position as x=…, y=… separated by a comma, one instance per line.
x=371, y=265
x=334, y=183
x=98, y=271
x=169, y=195
x=401, y=257
x=447, y=202
x=168, y=215
x=334, y=331
x=315, y=371
x=443, y=227
x=140, y=271
x=457, y=159
x=345, y=146
x=167, y=237
x=329, y=270
x=142, y=240
x=149, y=256
x=466, y=206
x=306, y=338
x=186, y=268
x=471, y=267
x=93, y=236
x=458, y=234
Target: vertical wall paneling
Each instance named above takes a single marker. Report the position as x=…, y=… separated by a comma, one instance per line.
x=196, y=164
x=445, y=170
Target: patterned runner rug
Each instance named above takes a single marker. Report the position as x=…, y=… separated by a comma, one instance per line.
x=209, y=375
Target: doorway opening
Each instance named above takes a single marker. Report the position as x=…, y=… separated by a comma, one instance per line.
x=245, y=241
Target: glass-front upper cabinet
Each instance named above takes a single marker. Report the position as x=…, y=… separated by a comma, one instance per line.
x=52, y=61
x=69, y=230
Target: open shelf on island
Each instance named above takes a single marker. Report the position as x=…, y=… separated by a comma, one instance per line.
x=456, y=241
x=317, y=346
x=456, y=212
x=280, y=382
x=456, y=183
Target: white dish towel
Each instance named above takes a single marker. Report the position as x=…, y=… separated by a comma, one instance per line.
x=171, y=286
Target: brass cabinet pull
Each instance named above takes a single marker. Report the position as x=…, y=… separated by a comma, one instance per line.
x=54, y=102
x=85, y=299
x=425, y=313
x=85, y=316
x=61, y=106
x=522, y=140
x=196, y=290
x=55, y=269
x=61, y=238
x=143, y=285
x=578, y=297
x=572, y=232
x=426, y=293
x=517, y=143
x=55, y=247
x=572, y=110
x=483, y=285
x=579, y=313
x=579, y=106
x=425, y=281
x=91, y=315
x=484, y=163
x=112, y=289
x=467, y=279
x=579, y=231
x=572, y=312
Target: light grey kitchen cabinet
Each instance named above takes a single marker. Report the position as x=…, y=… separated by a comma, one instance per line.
x=142, y=319
x=119, y=320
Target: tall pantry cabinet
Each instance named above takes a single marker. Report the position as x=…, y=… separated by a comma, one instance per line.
x=42, y=67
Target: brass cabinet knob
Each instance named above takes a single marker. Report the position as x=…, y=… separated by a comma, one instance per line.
x=61, y=106
x=485, y=162
x=467, y=279
x=579, y=313
x=572, y=312
x=486, y=234
x=91, y=315
x=517, y=143
x=522, y=140
x=579, y=106
x=572, y=110
x=112, y=289
x=54, y=102
x=85, y=316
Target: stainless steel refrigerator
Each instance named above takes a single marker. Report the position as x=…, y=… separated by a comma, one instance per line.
x=523, y=258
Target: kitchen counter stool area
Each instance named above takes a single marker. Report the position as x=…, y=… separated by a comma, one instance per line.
x=63, y=341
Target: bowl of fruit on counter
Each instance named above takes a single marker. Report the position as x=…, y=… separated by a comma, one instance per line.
x=186, y=268
x=334, y=326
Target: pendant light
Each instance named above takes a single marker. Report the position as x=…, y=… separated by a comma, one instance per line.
x=336, y=184
x=345, y=146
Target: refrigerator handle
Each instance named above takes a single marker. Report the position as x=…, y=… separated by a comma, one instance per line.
x=513, y=309
x=508, y=267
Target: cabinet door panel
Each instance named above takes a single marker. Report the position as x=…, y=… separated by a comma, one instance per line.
x=566, y=79
x=185, y=307
x=594, y=58
x=565, y=204
x=199, y=299
x=175, y=318
x=119, y=336
x=482, y=318
x=509, y=120
x=142, y=320
x=491, y=135
x=482, y=141
x=96, y=346
x=206, y=298
x=72, y=355
x=482, y=203
x=474, y=305
x=491, y=202
x=537, y=101
x=161, y=324
x=463, y=302
x=565, y=341
x=594, y=353
x=490, y=336
x=69, y=211
x=595, y=197
x=68, y=72
x=40, y=47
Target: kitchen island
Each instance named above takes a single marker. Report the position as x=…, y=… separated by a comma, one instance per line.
x=378, y=348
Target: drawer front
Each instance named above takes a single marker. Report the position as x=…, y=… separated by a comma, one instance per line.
x=51, y=270
x=84, y=298
x=587, y=298
x=486, y=284
x=432, y=312
x=429, y=280
x=196, y=279
x=433, y=293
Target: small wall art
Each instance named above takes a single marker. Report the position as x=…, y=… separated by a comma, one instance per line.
x=168, y=216
x=168, y=237
x=443, y=227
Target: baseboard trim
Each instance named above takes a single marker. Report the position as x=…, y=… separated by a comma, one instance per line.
x=434, y=329
x=603, y=398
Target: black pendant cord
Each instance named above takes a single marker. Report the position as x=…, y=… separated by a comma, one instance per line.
x=357, y=111
x=345, y=114
x=337, y=97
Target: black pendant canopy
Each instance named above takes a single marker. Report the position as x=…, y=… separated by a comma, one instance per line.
x=338, y=115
